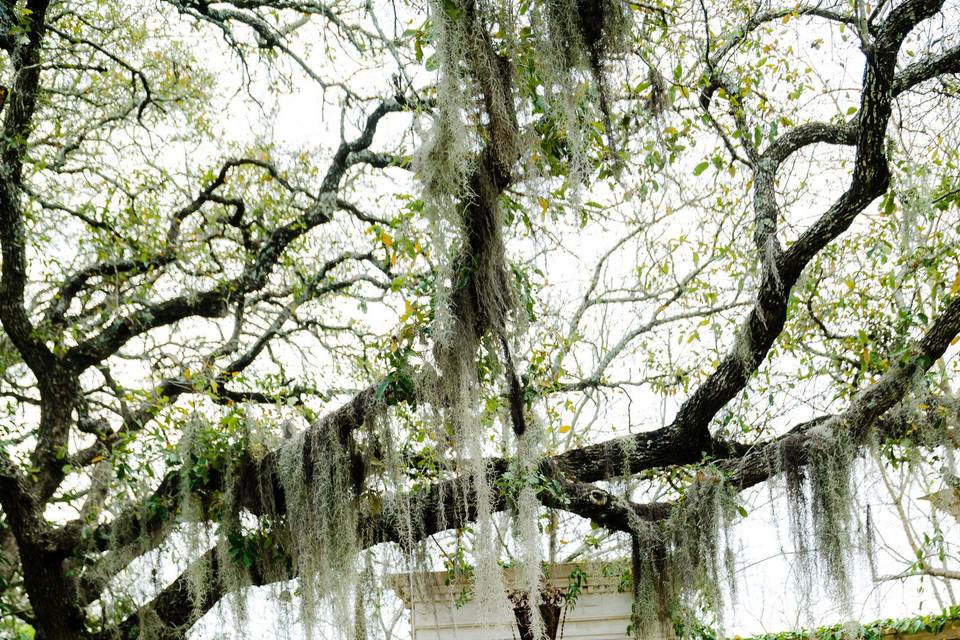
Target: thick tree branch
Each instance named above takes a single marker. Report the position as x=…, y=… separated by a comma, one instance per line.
x=443, y=507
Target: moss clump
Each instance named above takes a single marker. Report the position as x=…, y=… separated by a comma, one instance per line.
x=798, y=514
x=232, y=570
x=316, y=473
x=820, y=503
x=700, y=534
x=582, y=36
x=653, y=595
x=198, y=459
x=832, y=454
x=527, y=530
x=684, y=565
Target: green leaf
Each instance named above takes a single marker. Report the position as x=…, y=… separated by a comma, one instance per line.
x=384, y=385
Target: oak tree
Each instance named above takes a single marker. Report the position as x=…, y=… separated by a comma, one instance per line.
x=289, y=284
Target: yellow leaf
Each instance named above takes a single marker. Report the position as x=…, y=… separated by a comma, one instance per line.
x=955, y=340
x=407, y=311
x=956, y=284
x=386, y=239
x=565, y=428
x=544, y=205
x=850, y=284
x=97, y=459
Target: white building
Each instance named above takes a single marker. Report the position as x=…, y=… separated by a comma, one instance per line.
x=439, y=611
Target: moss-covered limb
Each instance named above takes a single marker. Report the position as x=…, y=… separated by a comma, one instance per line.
x=482, y=295
x=445, y=506
x=766, y=320
x=864, y=413
x=753, y=466
x=628, y=455
x=607, y=509
x=146, y=524
x=171, y=613
x=748, y=468
x=259, y=487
